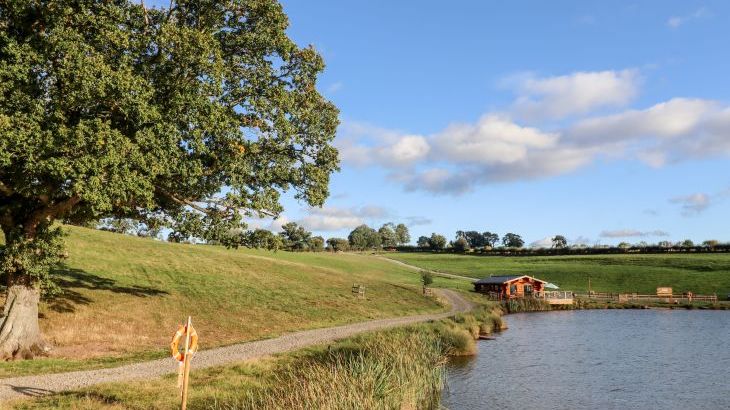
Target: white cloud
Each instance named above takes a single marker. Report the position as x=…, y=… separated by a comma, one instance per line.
x=492, y=140
x=498, y=148
x=628, y=233
x=577, y=93
x=546, y=242
x=677, y=21
x=362, y=144
x=692, y=204
x=335, y=218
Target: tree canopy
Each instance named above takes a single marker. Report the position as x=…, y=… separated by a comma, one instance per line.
x=192, y=118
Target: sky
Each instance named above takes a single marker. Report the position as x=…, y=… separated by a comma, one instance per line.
x=600, y=121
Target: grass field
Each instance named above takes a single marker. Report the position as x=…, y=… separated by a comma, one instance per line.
x=124, y=296
x=699, y=273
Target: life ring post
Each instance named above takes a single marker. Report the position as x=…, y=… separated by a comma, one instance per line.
x=186, y=366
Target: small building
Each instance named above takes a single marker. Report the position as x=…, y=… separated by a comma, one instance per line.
x=510, y=286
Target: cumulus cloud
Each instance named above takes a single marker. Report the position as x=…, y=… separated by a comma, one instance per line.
x=335, y=218
x=546, y=242
x=677, y=21
x=499, y=148
x=629, y=233
x=692, y=204
x=696, y=203
x=577, y=93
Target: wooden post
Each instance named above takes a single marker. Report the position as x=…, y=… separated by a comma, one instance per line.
x=186, y=369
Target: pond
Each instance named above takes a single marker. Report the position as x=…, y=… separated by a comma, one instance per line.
x=599, y=359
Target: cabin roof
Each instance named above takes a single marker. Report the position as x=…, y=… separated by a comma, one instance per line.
x=501, y=279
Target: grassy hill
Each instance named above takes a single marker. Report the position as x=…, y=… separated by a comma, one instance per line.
x=124, y=296
x=700, y=273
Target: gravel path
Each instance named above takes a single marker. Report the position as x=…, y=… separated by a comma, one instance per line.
x=435, y=272
x=13, y=388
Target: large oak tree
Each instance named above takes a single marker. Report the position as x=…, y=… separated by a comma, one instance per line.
x=190, y=117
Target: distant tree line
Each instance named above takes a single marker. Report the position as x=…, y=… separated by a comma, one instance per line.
x=390, y=236
x=489, y=243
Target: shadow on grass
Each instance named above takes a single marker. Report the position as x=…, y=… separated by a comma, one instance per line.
x=71, y=279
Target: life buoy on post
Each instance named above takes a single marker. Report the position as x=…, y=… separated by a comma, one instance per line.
x=188, y=333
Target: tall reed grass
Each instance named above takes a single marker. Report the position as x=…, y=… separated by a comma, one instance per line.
x=394, y=369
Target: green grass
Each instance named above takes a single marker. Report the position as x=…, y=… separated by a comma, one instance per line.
x=400, y=368
x=699, y=273
x=124, y=296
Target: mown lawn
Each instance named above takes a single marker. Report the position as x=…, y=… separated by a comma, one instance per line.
x=700, y=273
x=124, y=296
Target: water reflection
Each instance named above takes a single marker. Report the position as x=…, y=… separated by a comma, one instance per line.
x=638, y=359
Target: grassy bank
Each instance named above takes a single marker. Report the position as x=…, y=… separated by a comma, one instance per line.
x=147, y=287
x=394, y=369
x=701, y=273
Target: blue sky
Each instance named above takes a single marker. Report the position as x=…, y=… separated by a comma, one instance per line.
x=601, y=121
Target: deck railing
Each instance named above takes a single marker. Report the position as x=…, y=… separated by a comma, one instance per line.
x=635, y=297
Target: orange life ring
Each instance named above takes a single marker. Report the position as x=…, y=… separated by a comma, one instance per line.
x=176, y=354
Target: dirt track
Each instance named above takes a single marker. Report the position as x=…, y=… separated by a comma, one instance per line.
x=18, y=387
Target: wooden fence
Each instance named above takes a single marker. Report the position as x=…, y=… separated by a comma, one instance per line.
x=635, y=297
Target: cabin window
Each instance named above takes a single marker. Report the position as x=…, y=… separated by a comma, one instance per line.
x=528, y=289
x=513, y=289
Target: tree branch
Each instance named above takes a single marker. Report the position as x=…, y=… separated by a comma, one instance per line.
x=144, y=10
x=52, y=211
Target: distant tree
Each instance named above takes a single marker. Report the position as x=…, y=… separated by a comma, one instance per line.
x=512, y=240
x=423, y=242
x=264, y=239
x=402, y=234
x=125, y=226
x=364, y=237
x=473, y=238
x=426, y=278
x=664, y=244
x=687, y=243
x=388, y=236
x=437, y=242
x=490, y=239
x=316, y=244
x=642, y=244
x=338, y=244
x=461, y=245
x=295, y=237
x=711, y=243
x=624, y=245
x=559, y=242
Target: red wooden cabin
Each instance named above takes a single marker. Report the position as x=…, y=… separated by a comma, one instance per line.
x=510, y=286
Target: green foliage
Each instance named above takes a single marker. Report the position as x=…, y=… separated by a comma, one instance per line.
x=423, y=242
x=426, y=278
x=265, y=239
x=512, y=240
x=110, y=109
x=436, y=241
x=338, y=244
x=388, y=236
x=402, y=234
x=28, y=262
x=364, y=237
x=490, y=239
x=316, y=244
x=687, y=243
x=295, y=237
x=559, y=242
x=461, y=245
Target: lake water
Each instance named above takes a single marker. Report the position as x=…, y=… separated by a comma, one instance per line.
x=599, y=359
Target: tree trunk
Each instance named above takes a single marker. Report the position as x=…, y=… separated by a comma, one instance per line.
x=20, y=335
